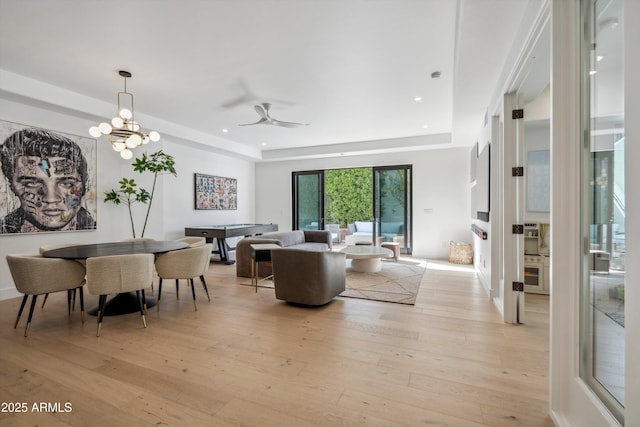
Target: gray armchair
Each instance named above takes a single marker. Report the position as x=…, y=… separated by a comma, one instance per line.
x=308, y=277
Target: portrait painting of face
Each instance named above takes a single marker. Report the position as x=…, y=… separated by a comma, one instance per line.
x=48, y=181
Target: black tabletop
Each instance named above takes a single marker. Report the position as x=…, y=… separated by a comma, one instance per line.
x=115, y=248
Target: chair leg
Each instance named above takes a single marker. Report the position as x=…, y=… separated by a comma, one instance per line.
x=159, y=294
x=193, y=292
x=44, y=300
x=81, y=304
x=144, y=320
x=144, y=302
x=73, y=299
x=69, y=302
x=204, y=284
x=33, y=304
x=24, y=301
x=101, y=306
x=177, y=290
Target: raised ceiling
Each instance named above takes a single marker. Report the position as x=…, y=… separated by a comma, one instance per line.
x=352, y=69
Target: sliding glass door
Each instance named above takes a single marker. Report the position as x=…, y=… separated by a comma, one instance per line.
x=392, y=205
x=308, y=200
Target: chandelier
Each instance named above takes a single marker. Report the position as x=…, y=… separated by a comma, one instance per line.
x=124, y=132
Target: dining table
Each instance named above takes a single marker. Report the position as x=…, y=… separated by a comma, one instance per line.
x=126, y=302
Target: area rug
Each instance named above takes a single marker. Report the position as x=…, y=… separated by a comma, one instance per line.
x=397, y=282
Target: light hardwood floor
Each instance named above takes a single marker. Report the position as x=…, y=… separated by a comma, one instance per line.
x=248, y=359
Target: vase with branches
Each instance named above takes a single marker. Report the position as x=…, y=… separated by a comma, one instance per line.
x=158, y=163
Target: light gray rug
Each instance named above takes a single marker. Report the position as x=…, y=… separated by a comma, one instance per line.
x=397, y=282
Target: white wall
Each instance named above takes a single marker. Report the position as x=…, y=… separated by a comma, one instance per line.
x=178, y=204
x=441, y=198
x=173, y=203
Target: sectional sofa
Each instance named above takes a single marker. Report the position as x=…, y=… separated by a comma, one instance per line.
x=312, y=240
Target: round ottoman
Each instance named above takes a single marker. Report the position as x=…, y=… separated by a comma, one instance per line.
x=394, y=247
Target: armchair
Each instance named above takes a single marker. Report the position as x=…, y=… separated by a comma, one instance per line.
x=308, y=277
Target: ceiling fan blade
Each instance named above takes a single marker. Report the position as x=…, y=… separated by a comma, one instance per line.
x=287, y=124
x=259, y=122
x=263, y=110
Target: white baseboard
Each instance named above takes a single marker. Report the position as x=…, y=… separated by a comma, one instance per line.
x=8, y=293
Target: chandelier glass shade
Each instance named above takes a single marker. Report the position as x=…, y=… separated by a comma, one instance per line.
x=124, y=133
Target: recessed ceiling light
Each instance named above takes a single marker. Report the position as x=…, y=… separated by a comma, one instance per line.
x=264, y=144
x=599, y=58
x=417, y=98
x=592, y=72
x=225, y=130
x=425, y=126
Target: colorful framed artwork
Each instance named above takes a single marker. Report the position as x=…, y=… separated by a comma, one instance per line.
x=47, y=182
x=215, y=192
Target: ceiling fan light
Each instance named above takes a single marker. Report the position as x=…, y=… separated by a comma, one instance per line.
x=146, y=139
x=135, y=127
x=117, y=122
x=154, y=136
x=125, y=114
x=126, y=154
x=95, y=132
x=105, y=128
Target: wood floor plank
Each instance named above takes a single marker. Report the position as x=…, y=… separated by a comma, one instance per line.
x=245, y=358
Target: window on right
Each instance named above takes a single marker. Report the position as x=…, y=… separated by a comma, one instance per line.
x=602, y=304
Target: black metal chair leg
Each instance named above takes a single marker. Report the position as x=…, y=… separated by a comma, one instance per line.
x=33, y=304
x=193, y=292
x=102, y=301
x=44, y=300
x=73, y=300
x=159, y=294
x=204, y=285
x=24, y=301
x=177, y=290
x=69, y=302
x=140, y=304
x=81, y=304
x=144, y=302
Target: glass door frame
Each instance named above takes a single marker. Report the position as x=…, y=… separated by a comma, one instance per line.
x=295, y=197
x=407, y=236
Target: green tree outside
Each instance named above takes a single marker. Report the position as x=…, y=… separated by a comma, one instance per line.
x=348, y=195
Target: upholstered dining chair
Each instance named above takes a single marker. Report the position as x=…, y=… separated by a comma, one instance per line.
x=193, y=241
x=71, y=293
x=116, y=274
x=184, y=264
x=34, y=275
x=141, y=239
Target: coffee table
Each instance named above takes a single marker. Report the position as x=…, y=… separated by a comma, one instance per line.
x=366, y=259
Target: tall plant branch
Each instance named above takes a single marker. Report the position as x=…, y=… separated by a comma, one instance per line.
x=157, y=163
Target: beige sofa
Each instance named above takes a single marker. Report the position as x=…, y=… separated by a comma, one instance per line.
x=310, y=240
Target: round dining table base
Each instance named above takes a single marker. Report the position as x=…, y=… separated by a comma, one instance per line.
x=123, y=303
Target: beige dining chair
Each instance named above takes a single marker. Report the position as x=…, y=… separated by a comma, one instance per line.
x=193, y=241
x=34, y=275
x=71, y=293
x=116, y=274
x=184, y=264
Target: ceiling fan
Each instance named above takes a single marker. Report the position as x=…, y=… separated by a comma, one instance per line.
x=266, y=119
